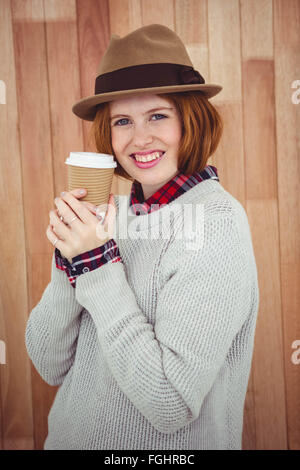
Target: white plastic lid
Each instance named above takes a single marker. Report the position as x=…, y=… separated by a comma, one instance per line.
x=91, y=160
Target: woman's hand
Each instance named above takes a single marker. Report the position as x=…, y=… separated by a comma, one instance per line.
x=80, y=230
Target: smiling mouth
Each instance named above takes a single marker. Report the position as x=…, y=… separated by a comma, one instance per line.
x=147, y=161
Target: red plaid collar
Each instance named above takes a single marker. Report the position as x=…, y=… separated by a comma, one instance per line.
x=176, y=186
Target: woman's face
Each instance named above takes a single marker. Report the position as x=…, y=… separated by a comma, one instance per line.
x=135, y=128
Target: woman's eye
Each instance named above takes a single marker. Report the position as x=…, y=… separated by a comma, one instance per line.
x=124, y=119
x=159, y=115
x=120, y=120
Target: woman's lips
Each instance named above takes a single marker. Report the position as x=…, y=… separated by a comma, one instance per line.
x=147, y=164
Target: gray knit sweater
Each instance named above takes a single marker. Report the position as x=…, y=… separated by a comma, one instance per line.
x=154, y=352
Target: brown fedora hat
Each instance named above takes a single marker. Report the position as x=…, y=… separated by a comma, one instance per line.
x=150, y=59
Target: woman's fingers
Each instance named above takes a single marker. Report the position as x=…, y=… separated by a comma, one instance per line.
x=77, y=192
x=67, y=203
x=52, y=235
x=90, y=206
x=108, y=224
x=59, y=226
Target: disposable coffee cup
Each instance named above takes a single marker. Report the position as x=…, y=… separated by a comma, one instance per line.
x=94, y=172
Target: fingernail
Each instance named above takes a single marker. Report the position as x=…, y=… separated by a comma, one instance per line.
x=82, y=191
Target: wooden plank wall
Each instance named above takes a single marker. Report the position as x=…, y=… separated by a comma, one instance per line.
x=50, y=54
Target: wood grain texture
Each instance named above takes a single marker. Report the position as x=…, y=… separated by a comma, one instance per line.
x=251, y=48
x=121, y=13
x=225, y=48
x=257, y=28
x=262, y=206
x=93, y=37
x=287, y=70
x=157, y=11
x=192, y=28
x=224, y=54
x=64, y=85
x=259, y=125
x=28, y=11
x=16, y=402
x=268, y=362
x=229, y=156
x=37, y=164
x=259, y=149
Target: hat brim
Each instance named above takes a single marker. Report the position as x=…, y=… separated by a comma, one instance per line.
x=86, y=108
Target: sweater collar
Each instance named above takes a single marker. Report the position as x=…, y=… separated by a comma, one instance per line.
x=176, y=186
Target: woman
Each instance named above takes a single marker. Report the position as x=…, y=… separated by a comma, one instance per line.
x=149, y=335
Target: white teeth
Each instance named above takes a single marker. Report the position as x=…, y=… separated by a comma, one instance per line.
x=147, y=158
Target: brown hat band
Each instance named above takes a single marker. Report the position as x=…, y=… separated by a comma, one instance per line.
x=147, y=76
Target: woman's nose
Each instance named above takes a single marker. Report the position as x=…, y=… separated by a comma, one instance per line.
x=142, y=135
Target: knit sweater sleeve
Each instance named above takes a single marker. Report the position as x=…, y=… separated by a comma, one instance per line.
x=52, y=328
x=167, y=369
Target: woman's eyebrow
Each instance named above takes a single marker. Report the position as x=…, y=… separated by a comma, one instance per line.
x=149, y=111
